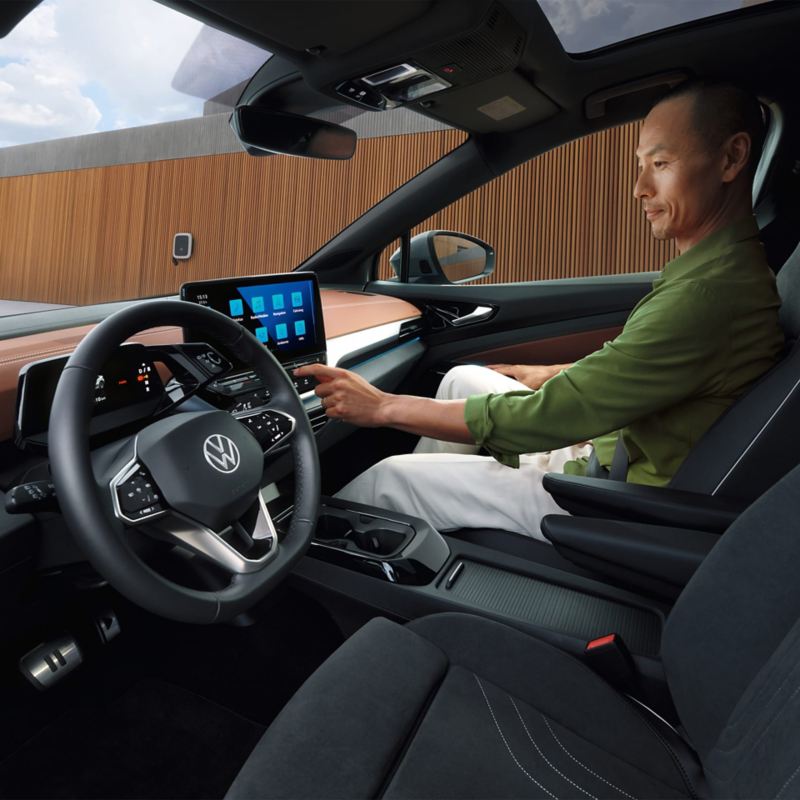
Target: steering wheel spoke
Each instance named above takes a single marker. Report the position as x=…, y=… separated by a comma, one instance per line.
x=245, y=546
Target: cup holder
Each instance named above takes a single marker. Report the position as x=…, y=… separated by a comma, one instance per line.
x=379, y=541
x=361, y=533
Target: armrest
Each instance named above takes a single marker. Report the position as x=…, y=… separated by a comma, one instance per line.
x=600, y=497
x=654, y=557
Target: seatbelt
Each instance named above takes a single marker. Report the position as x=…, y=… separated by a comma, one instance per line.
x=619, y=463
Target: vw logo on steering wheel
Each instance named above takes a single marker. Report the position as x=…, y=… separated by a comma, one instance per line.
x=221, y=453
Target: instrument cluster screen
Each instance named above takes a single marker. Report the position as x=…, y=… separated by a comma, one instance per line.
x=128, y=388
x=283, y=311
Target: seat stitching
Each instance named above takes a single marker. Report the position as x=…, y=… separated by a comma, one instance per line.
x=544, y=757
x=675, y=759
x=590, y=771
x=505, y=742
x=788, y=781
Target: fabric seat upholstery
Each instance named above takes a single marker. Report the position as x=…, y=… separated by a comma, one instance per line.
x=459, y=706
x=450, y=719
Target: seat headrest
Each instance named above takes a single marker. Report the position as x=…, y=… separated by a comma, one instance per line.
x=788, y=281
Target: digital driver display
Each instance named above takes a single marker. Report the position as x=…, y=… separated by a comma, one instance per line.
x=282, y=311
x=129, y=385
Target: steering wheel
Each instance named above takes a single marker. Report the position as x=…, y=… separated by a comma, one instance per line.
x=192, y=478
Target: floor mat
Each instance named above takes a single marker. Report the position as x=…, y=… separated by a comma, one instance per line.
x=155, y=741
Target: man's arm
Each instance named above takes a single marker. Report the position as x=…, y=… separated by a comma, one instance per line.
x=349, y=397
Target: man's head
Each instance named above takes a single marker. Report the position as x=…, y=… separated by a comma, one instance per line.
x=698, y=151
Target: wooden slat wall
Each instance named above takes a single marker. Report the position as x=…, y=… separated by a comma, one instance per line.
x=104, y=234
x=569, y=213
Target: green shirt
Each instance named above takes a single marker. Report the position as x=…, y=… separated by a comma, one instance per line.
x=698, y=340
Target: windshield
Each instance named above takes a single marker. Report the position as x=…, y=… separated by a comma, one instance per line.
x=114, y=140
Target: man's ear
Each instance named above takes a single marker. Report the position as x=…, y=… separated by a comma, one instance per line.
x=735, y=156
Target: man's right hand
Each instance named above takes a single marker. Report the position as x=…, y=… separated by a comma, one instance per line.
x=533, y=376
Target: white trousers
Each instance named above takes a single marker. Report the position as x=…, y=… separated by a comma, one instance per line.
x=450, y=486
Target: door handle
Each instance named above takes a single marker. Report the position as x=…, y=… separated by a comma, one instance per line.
x=477, y=315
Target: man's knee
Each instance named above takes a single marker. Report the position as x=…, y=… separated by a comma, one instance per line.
x=462, y=381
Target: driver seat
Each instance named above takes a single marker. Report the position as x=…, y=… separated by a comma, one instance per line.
x=457, y=706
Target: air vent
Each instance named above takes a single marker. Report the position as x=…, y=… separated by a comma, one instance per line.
x=318, y=419
x=493, y=17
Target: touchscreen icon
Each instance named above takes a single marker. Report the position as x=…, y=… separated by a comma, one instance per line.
x=297, y=299
x=258, y=304
x=261, y=334
x=277, y=301
x=237, y=308
x=300, y=328
x=281, y=331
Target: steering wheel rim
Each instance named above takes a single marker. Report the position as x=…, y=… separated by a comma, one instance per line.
x=88, y=511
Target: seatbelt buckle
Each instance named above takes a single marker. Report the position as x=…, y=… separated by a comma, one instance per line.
x=610, y=658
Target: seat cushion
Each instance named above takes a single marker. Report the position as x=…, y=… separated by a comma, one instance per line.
x=458, y=706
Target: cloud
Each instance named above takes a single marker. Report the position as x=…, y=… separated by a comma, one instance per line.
x=566, y=16
x=36, y=104
x=584, y=25
x=81, y=66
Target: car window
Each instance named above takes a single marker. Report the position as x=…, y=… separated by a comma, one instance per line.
x=568, y=213
x=110, y=147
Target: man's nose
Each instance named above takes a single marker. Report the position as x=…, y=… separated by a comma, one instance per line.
x=642, y=187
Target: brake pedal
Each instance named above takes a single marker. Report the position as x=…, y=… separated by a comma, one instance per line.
x=50, y=662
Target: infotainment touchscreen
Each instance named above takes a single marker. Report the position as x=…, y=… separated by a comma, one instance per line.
x=283, y=311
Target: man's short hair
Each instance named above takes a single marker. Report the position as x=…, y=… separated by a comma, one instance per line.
x=719, y=110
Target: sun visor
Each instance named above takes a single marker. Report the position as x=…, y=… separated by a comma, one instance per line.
x=504, y=103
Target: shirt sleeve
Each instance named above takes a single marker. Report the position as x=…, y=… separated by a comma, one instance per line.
x=670, y=348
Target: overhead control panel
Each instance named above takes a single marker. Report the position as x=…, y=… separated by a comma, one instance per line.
x=392, y=86
x=493, y=48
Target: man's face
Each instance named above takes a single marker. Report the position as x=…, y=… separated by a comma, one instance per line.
x=680, y=183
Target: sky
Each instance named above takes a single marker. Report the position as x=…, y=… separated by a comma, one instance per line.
x=588, y=24
x=73, y=67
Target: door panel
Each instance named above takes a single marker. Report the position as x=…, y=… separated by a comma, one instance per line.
x=535, y=322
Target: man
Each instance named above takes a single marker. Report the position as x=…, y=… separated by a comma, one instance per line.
x=704, y=334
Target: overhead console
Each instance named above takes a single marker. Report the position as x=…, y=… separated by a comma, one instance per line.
x=462, y=69
x=493, y=48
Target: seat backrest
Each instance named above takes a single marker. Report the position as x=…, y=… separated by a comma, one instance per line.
x=731, y=651
x=757, y=440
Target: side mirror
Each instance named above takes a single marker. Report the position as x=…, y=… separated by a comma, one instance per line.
x=446, y=257
x=263, y=132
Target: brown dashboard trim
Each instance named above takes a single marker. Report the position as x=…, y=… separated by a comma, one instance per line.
x=350, y=312
x=344, y=312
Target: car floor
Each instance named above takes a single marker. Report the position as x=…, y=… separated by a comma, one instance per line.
x=165, y=710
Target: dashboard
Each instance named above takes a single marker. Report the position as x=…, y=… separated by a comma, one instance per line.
x=284, y=312
x=354, y=323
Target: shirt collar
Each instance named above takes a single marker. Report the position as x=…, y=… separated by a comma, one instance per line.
x=710, y=247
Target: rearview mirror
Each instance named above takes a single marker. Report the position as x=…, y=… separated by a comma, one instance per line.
x=263, y=132
x=445, y=257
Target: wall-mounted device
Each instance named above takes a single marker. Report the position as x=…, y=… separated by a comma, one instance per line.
x=182, y=246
